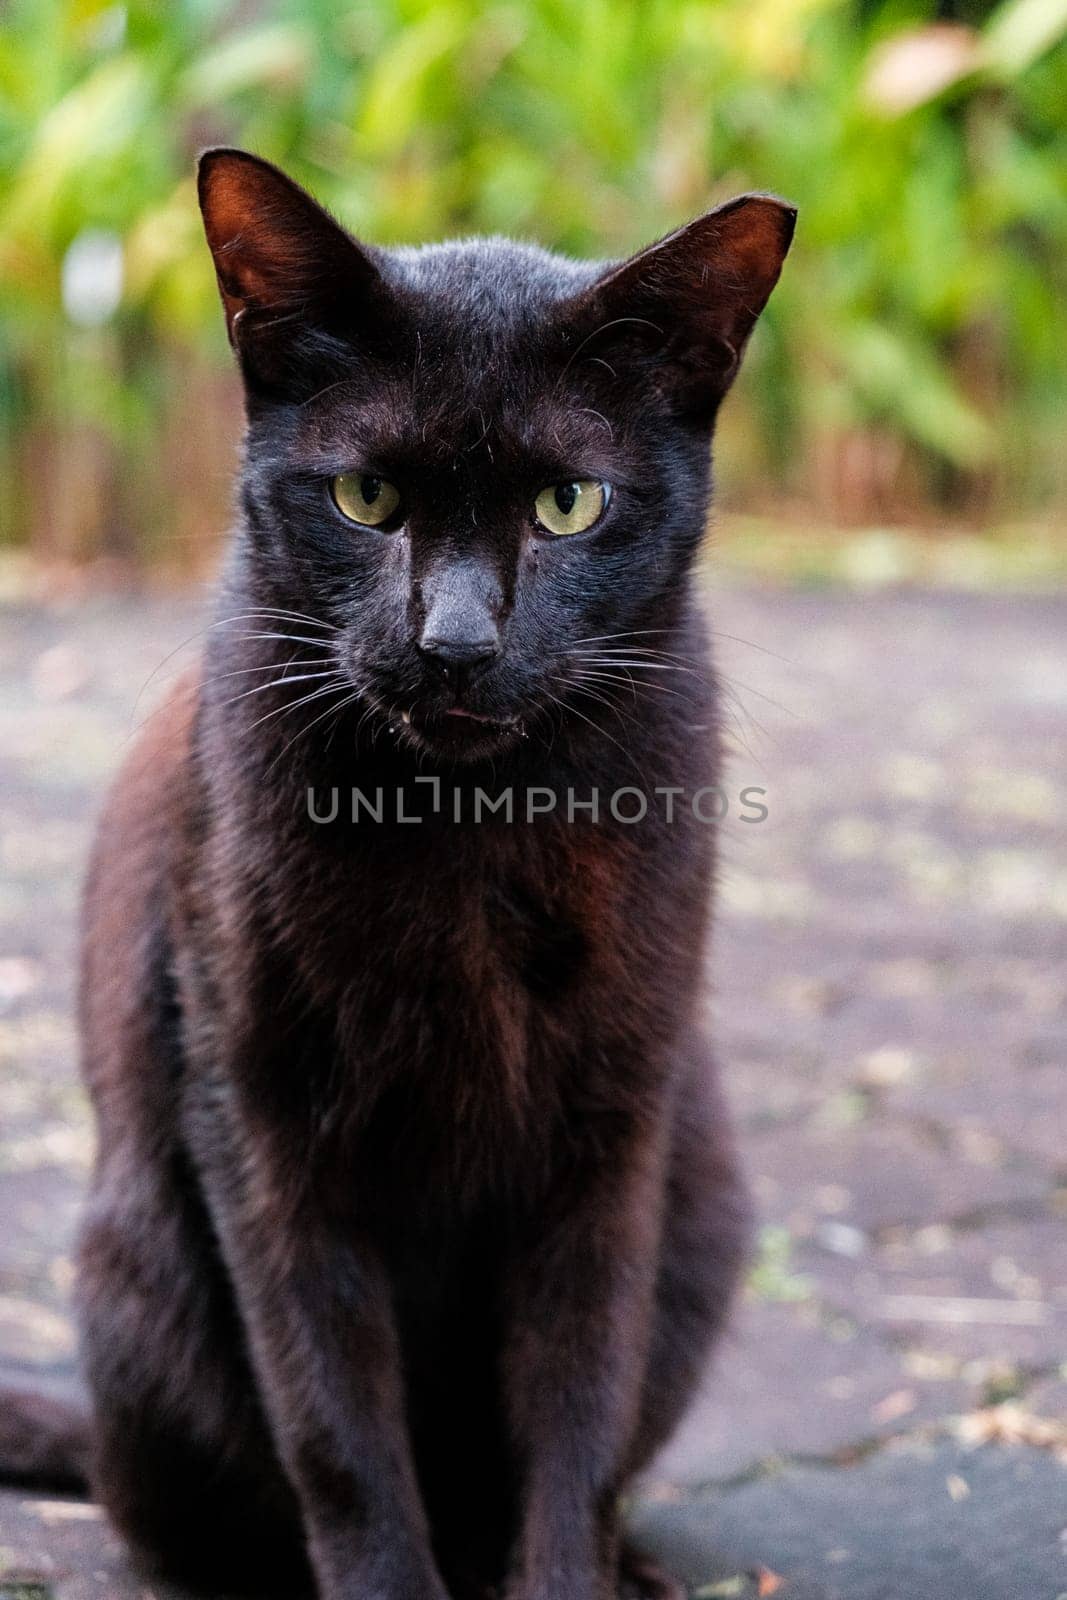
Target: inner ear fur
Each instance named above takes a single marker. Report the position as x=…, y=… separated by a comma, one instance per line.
x=285, y=268
x=694, y=297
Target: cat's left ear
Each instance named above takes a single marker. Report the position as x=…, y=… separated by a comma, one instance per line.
x=692, y=300
x=293, y=282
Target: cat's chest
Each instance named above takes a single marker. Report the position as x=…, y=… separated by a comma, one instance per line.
x=496, y=955
x=463, y=1017
x=501, y=940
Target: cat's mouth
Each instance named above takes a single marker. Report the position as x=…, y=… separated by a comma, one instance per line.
x=458, y=728
x=477, y=716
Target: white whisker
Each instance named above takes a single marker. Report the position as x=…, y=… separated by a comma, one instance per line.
x=290, y=638
x=278, y=683
x=279, y=615
x=304, y=700
x=271, y=666
x=336, y=710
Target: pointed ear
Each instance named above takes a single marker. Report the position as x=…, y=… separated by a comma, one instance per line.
x=292, y=281
x=694, y=297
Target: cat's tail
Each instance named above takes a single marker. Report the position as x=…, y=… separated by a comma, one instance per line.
x=45, y=1437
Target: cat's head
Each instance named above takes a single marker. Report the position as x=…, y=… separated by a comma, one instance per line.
x=486, y=465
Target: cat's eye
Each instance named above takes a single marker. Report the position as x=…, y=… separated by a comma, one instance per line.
x=365, y=498
x=565, y=508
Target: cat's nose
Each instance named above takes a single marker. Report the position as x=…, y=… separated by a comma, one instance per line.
x=460, y=633
x=460, y=657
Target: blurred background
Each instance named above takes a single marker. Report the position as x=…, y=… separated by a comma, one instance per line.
x=910, y=369
x=888, y=583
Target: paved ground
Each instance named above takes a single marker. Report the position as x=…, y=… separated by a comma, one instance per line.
x=889, y=1417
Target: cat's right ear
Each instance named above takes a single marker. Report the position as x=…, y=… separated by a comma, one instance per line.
x=691, y=301
x=294, y=285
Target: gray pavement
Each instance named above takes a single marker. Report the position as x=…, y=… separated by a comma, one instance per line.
x=888, y=1417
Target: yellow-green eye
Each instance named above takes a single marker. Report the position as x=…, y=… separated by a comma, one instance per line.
x=365, y=498
x=565, y=508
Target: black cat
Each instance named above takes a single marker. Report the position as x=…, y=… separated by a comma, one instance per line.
x=415, y=1212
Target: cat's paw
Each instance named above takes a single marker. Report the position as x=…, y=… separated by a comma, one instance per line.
x=642, y=1578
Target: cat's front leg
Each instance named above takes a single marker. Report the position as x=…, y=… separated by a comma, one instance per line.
x=580, y=1312
x=316, y=1305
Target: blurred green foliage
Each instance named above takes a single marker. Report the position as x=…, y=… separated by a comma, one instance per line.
x=912, y=357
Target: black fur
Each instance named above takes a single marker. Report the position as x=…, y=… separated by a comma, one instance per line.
x=415, y=1211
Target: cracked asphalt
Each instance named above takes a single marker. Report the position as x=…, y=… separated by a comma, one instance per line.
x=888, y=1417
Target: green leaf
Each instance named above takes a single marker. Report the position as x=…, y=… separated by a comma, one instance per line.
x=271, y=57
x=897, y=377
x=1020, y=31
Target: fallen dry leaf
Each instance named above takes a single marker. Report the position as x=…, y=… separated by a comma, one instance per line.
x=52, y=1511
x=898, y=1404
x=1012, y=1424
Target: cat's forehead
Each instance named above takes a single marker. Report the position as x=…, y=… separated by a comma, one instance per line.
x=478, y=360
x=491, y=284
x=446, y=419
